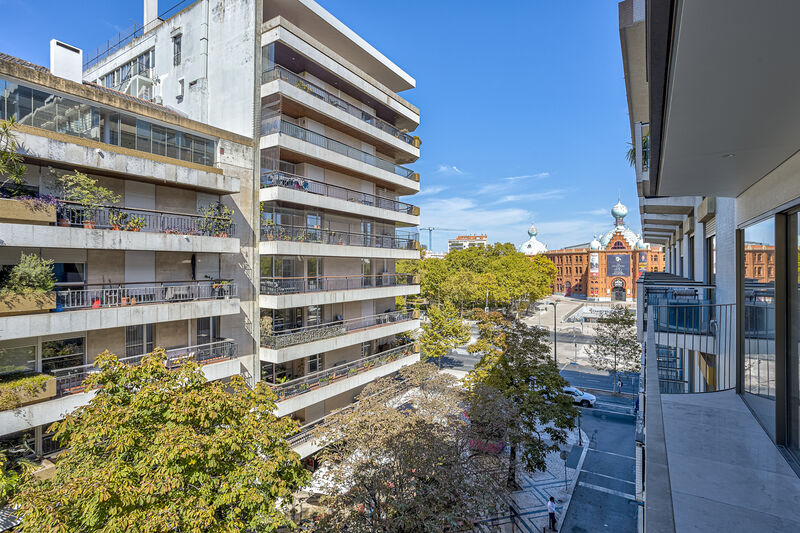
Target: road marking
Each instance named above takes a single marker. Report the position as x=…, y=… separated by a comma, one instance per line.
x=608, y=477
x=607, y=491
x=612, y=453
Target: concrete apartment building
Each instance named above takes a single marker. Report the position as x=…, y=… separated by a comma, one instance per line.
x=331, y=151
x=173, y=279
x=714, y=126
x=462, y=242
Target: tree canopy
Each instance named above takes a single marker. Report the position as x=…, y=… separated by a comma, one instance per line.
x=443, y=331
x=615, y=347
x=161, y=449
x=463, y=277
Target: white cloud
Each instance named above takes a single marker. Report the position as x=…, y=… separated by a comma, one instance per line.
x=429, y=191
x=449, y=169
x=532, y=197
x=596, y=212
x=499, y=185
x=527, y=176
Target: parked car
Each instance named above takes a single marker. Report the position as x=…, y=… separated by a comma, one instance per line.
x=584, y=399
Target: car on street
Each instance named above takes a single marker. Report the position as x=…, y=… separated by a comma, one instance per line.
x=584, y=399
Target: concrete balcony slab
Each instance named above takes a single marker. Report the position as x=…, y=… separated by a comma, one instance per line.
x=332, y=250
x=287, y=301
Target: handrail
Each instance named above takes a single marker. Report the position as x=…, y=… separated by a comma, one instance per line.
x=278, y=178
x=70, y=380
x=275, y=285
x=314, y=332
x=315, y=138
x=279, y=72
x=103, y=217
x=123, y=294
x=295, y=387
x=285, y=232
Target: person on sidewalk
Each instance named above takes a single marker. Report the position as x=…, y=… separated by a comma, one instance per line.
x=551, y=510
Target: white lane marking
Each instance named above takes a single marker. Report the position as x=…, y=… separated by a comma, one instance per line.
x=607, y=491
x=612, y=453
x=607, y=477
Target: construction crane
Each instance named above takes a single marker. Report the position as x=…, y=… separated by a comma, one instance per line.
x=431, y=229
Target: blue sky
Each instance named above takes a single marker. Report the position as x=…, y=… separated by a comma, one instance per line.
x=524, y=115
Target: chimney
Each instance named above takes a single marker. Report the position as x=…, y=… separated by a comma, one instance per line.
x=150, y=12
x=66, y=61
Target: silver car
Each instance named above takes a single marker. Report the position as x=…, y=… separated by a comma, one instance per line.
x=584, y=399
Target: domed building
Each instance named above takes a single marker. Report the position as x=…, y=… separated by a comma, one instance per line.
x=532, y=246
x=607, y=267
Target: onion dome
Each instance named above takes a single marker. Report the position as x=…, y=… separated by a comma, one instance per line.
x=641, y=245
x=532, y=246
x=619, y=211
x=532, y=231
x=595, y=244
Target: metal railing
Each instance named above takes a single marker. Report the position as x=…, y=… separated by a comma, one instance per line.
x=284, y=232
x=282, y=285
x=294, y=336
x=135, y=219
x=277, y=178
x=323, y=378
x=303, y=134
x=290, y=77
x=704, y=331
x=102, y=295
x=70, y=380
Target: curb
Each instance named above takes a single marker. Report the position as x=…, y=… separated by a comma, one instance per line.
x=574, y=482
x=613, y=414
x=630, y=395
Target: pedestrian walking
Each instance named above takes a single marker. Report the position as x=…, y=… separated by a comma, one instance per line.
x=551, y=510
x=619, y=385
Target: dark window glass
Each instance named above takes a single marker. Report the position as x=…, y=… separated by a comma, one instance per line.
x=63, y=353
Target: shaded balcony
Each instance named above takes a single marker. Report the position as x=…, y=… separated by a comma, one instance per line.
x=105, y=295
x=280, y=285
x=314, y=235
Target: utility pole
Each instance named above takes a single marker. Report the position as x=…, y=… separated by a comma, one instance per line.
x=486, y=309
x=555, y=332
x=575, y=343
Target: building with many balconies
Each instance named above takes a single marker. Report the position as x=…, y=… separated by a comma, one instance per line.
x=332, y=147
x=715, y=136
x=145, y=271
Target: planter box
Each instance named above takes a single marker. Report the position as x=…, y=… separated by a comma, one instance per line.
x=47, y=391
x=25, y=212
x=27, y=304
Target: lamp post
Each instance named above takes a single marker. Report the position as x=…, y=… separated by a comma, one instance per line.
x=555, y=332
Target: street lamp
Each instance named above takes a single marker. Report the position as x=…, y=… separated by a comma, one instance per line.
x=555, y=332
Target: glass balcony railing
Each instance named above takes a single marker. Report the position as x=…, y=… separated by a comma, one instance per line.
x=280, y=73
x=303, y=134
x=278, y=178
x=294, y=336
x=276, y=286
x=98, y=296
x=317, y=380
x=283, y=232
x=70, y=380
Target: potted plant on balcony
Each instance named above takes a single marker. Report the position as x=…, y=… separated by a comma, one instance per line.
x=117, y=218
x=78, y=188
x=216, y=219
x=135, y=223
x=269, y=229
x=28, y=287
x=18, y=389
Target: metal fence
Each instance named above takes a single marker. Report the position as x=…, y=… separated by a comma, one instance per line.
x=285, y=232
x=134, y=219
x=277, y=178
x=325, y=142
x=291, y=337
x=117, y=295
x=324, y=378
x=281, y=285
x=70, y=380
x=288, y=76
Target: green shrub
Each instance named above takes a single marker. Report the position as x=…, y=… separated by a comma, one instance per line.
x=11, y=385
x=32, y=274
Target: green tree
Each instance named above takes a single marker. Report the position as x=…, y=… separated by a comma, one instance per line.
x=11, y=167
x=615, y=347
x=399, y=465
x=443, y=331
x=31, y=274
x=160, y=449
x=517, y=386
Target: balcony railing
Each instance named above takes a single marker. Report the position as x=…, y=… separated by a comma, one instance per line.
x=294, y=336
x=288, y=76
x=284, y=232
x=315, y=380
x=277, y=178
x=97, y=296
x=325, y=142
x=279, y=285
x=134, y=219
x=70, y=380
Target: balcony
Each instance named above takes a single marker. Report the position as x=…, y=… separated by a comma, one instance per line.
x=283, y=186
x=218, y=360
x=281, y=73
x=284, y=239
x=314, y=138
x=98, y=306
x=318, y=386
x=284, y=293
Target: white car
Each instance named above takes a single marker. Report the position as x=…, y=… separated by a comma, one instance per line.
x=584, y=399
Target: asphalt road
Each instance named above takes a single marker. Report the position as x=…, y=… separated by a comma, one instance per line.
x=604, y=497
x=590, y=378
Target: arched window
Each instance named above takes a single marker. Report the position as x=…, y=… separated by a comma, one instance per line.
x=619, y=245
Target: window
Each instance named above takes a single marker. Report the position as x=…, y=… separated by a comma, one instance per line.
x=207, y=329
x=315, y=363
x=63, y=353
x=18, y=359
x=176, y=50
x=138, y=340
